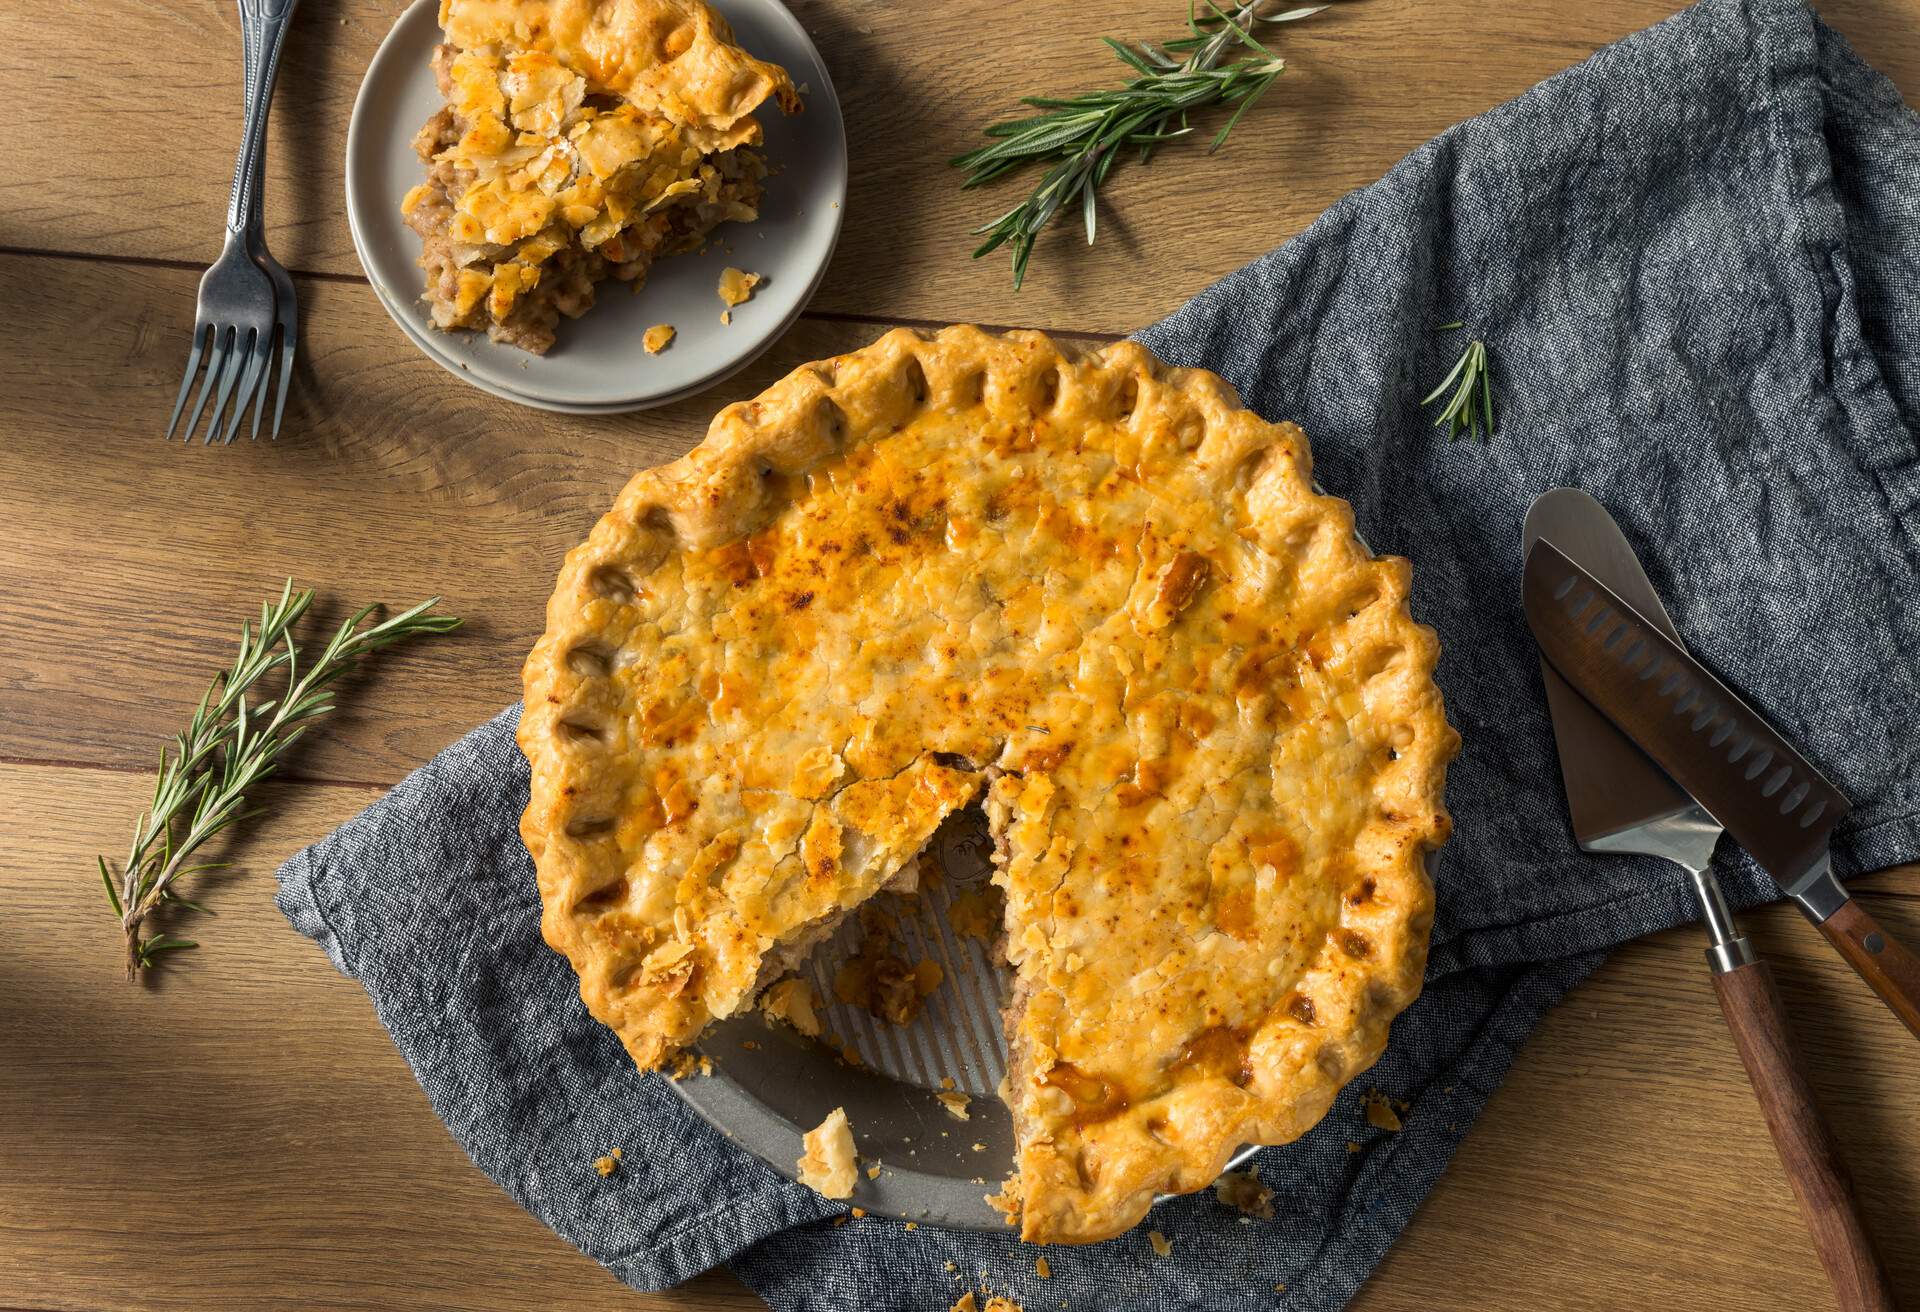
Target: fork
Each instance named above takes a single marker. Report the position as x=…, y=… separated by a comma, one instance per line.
x=286, y=303
x=236, y=314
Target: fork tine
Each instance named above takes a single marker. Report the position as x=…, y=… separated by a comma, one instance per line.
x=216, y=356
x=200, y=332
x=260, y=393
x=251, y=382
x=236, y=357
x=289, y=337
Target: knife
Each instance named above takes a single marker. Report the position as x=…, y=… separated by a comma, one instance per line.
x=1720, y=750
x=1620, y=801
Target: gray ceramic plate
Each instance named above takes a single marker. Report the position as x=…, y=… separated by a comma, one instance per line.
x=598, y=364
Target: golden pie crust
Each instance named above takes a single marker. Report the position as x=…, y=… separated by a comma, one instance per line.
x=1088, y=589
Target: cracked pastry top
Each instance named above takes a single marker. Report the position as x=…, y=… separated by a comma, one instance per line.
x=1093, y=592
x=581, y=140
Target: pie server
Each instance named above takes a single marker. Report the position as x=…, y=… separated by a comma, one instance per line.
x=1620, y=801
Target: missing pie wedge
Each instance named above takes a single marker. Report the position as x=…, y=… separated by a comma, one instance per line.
x=1088, y=591
x=581, y=140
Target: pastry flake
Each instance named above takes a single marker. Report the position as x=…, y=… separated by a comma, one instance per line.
x=792, y=1002
x=1242, y=1191
x=827, y=1165
x=736, y=285
x=1093, y=594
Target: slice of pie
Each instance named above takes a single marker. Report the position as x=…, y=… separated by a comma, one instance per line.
x=1093, y=593
x=581, y=140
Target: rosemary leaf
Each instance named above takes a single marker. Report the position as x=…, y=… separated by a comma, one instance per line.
x=231, y=744
x=1080, y=137
x=1469, y=410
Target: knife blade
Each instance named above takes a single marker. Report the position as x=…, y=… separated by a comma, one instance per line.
x=1713, y=744
x=1719, y=749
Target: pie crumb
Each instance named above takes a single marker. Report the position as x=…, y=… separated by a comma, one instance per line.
x=979, y=1147
x=736, y=285
x=859, y=1213
x=1279, y=1286
x=956, y=1104
x=726, y=317
x=972, y=914
x=792, y=1001
x=927, y=976
x=913, y=1225
x=1352, y=1147
x=1041, y=1269
x=1243, y=1190
x=687, y=1064
x=657, y=338
x=950, y=1265
x=1002, y=1305
x=965, y=1303
x=1006, y=1202
x=873, y=1172
x=605, y=1165
x=884, y=985
x=1162, y=1246
x=827, y=1166
x=1380, y=1112
x=946, y=1081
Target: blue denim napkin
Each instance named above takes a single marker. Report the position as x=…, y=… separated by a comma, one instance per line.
x=1696, y=261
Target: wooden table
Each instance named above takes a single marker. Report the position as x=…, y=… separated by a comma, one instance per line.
x=240, y=1133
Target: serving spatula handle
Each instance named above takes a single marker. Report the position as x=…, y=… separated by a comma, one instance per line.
x=1892, y=970
x=1807, y=1151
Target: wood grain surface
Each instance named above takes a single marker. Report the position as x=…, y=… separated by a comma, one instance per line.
x=1367, y=81
x=240, y=1133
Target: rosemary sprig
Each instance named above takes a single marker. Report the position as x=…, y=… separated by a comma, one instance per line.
x=230, y=745
x=1471, y=403
x=1084, y=135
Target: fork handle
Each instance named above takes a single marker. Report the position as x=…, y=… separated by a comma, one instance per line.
x=264, y=24
x=250, y=51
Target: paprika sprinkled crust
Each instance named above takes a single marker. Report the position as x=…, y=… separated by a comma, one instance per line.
x=1094, y=593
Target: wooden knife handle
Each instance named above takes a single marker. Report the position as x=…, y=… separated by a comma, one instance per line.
x=1807, y=1151
x=1890, y=968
